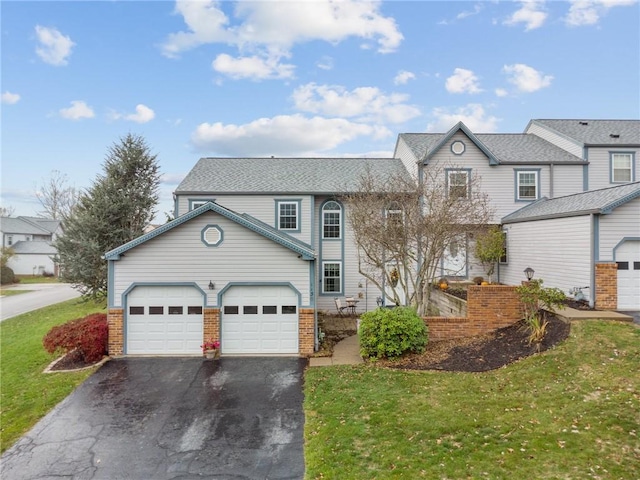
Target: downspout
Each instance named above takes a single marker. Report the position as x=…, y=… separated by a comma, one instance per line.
x=594, y=257
x=551, y=180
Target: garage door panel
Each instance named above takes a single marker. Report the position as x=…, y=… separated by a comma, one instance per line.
x=266, y=331
x=628, y=258
x=173, y=331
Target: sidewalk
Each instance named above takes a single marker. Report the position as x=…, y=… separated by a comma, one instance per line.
x=568, y=313
x=346, y=352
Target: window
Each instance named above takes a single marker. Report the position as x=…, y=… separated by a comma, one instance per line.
x=195, y=310
x=526, y=185
x=288, y=215
x=394, y=218
x=9, y=240
x=269, y=309
x=331, y=277
x=458, y=183
x=623, y=265
x=175, y=310
x=331, y=213
x=250, y=309
x=231, y=310
x=504, y=258
x=289, y=309
x=621, y=167
x=193, y=204
x=156, y=310
x=136, y=310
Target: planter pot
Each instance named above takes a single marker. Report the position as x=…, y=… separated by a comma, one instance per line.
x=211, y=354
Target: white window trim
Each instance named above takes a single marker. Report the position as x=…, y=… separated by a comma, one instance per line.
x=324, y=223
x=341, y=273
x=296, y=204
x=629, y=155
x=450, y=184
x=536, y=176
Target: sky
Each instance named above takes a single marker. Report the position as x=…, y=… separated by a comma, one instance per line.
x=292, y=78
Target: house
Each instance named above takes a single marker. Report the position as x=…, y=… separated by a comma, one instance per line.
x=260, y=245
x=31, y=240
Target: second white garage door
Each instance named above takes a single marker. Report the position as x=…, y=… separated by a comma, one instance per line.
x=259, y=320
x=628, y=259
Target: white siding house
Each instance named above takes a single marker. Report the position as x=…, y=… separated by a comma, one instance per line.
x=31, y=240
x=563, y=239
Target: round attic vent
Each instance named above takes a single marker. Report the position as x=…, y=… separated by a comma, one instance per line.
x=457, y=147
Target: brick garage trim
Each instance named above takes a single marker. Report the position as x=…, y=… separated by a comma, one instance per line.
x=489, y=308
x=115, y=322
x=606, y=295
x=211, y=326
x=306, y=332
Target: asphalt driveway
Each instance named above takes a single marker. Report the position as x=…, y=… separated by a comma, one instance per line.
x=172, y=418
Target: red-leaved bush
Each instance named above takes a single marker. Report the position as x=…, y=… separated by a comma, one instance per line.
x=88, y=335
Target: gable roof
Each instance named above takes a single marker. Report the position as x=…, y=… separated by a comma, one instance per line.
x=602, y=202
x=305, y=251
x=284, y=175
x=23, y=226
x=39, y=247
x=500, y=148
x=48, y=224
x=595, y=132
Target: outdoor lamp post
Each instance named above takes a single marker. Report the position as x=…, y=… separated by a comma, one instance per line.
x=529, y=273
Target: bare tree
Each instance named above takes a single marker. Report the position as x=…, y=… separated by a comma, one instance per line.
x=402, y=229
x=7, y=211
x=56, y=196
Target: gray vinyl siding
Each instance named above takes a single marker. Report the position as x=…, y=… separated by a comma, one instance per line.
x=563, y=142
x=600, y=166
x=497, y=181
x=567, y=180
x=262, y=207
x=559, y=250
x=623, y=222
x=179, y=255
x=405, y=154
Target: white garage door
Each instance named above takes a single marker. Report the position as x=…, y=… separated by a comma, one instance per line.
x=164, y=320
x=628, y=259
x=259, y=320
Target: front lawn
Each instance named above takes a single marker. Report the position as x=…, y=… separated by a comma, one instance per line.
x=27, y=394
x=4, y=292
x=37, y=279
x=572, y=412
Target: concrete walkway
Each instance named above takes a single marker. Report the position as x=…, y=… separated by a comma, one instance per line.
x=346, y=352
x=568, y=313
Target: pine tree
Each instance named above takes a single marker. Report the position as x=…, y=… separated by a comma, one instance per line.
x=113, y=211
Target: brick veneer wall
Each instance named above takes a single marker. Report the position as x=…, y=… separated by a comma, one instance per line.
x=211, y=327
x=115, y=321
x=306, y=331
x=489, y=307
x=606, y=295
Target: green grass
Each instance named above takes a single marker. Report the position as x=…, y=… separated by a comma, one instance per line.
x=27, y=394
x=570, y=413
x=7, y=293
x=37, y=279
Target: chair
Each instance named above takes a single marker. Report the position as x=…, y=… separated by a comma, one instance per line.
x=341, y=308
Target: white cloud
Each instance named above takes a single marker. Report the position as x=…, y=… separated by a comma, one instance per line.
x=325, y=63
x=54, y=47
x=364, y=103
x=258, y=27
x=283, y=135
x=472, y=115
x=252, y=67
x=501, y=92
x=588, y=12
x=77, y=111
x=477, y=8
x=462, y=81
x=143, y=115
x=531, y=13
x=403, y=77
x=10, y=98
x=526, y=78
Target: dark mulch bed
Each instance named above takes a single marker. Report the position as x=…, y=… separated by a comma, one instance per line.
x=72, y=361
x=479, y=354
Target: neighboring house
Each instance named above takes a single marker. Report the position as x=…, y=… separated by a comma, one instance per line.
x=260, y=245
x=589, y=239
x=31, y=240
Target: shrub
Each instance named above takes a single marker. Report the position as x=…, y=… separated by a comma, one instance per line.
x=7, y=276
x=536, y=300
x=388, y=333
x=88, y=335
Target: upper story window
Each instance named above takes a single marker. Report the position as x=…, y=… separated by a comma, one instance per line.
x=395, y=218
x=331, y=277
x=9, y=240
x=288, y=215
x=622, y=167
x=193, y=204
x=527, y=185
x=331, y=219
x=458, y=183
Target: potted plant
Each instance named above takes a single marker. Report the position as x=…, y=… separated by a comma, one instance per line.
x=210, y=348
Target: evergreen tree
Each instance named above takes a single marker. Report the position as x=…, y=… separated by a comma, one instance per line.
x=113, y=211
